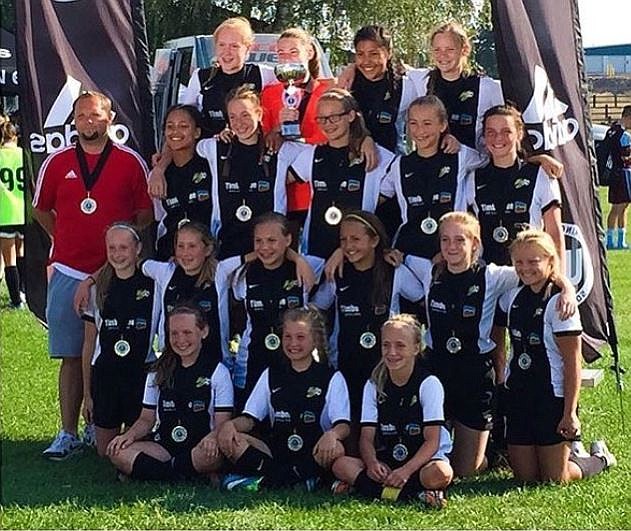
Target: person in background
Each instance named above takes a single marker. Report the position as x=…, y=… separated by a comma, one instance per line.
x=81, y=190
x=620, y=181
x=12, y=212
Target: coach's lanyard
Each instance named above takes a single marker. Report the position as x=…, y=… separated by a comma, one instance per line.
x=90, y=177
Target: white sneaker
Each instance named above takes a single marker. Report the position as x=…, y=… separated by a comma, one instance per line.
x=599, y=449
x=578, y=450
x=64, y=446
x=88, y=438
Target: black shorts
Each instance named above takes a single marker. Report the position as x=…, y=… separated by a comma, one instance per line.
x=280, y=473
x=620, y=187
x=117, y=400
x=469, y=388
x=533, y=420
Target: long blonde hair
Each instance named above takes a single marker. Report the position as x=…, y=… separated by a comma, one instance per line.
x=207, y=274
x=544, y=242
x=379, y=374
x=239, y=24
x=456, y=30
x=471, y=227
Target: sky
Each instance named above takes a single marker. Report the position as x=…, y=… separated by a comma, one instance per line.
x=605, y=21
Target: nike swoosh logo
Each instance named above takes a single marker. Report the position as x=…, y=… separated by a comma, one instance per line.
x=276, y=389
x=171, y=288
x=317, y=161
x=344, y=288
x=406, y=175
x=252, y=286
x=480, y=186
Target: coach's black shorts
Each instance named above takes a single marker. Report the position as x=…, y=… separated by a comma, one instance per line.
x=532, y=420
x=620, y=187
x=117, y=398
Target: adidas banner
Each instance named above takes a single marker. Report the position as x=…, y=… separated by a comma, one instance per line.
x=65, y=47
x=540, y=60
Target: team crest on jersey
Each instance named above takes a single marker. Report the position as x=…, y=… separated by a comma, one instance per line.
x=205, y=305
x=142, y=294
x=356, y=161
x=290, y=284
x=413, y=429
x=444, y=171
x=197, y=405
x=202, y=381
x=520, y=183
x=380, y=309
x=308, y=417
x=538, y=311
x=203, y=195
x=444, y=197
x=413, y=400
x=520, y=207
x=140, y=324
x=466, y=95
x=354, y=185
x=313, y=391
x=385, y=117
x=534, y=339
x=293, y=301
x=468, y=311
x=263, y=186
x=516, y=333
x=473, y=289
x=199, y=176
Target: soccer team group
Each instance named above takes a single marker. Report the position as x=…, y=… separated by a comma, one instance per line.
x=330, y=310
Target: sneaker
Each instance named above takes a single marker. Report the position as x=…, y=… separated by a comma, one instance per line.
x=578, y=450
x=434, y=499
x=340, y=487
x=88, y=438
x=599, y=449
x=311, y=484
x=64, y=446
x=239, y=482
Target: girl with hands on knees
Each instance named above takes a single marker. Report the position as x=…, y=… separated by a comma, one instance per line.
x=543, y=374
x=120, y=325
x=306, y=405
x=188, y=397
x=404, y=443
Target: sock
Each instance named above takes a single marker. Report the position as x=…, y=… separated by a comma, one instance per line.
x=610, y=233
x=147, y=467
x=368, y=487
x=183, y=466
x=590, y=466
x=22, y=272
x=622, y=237
x=251, y=463
x=13, y=283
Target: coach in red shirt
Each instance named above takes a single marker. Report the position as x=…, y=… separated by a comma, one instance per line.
x=81, y=190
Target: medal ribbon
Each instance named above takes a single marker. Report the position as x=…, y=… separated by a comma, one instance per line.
x=90, y=177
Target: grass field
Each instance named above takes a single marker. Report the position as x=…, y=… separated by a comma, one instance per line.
x=83, y=492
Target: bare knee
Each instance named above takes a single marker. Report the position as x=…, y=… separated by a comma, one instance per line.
x=436, y=475
x=347, y=468
x=204, y=463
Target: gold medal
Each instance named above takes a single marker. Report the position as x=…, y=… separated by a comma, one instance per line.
x=122, y=348
x=333, y=215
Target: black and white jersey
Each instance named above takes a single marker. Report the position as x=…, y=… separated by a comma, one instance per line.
x=175, y=287
x=188, y=197
x=458, y=305
x=515, y=198
x=266, y=294
x=427, y=188
x=127, y=325
x=535, y=364
x=185, y=411
x=355, y=343
x=208, y=88
x=336, y=183
x=384, y=104
x=466, y=100
x=401, y=413
x=245, y=184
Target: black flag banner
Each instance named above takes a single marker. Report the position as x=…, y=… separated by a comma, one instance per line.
x=65, y=47
x=540, y=60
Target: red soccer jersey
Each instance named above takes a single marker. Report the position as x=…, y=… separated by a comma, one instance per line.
x=120, y=192
x=298, y=194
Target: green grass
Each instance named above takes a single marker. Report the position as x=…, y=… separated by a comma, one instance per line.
x=83, y=493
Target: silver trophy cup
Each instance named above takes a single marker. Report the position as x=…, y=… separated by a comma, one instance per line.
x=290, y=75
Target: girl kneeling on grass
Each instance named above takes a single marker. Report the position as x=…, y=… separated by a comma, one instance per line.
x=190, y=397
x=543, y=375
x=120, y=325
x=403, y=406
x=306, y=403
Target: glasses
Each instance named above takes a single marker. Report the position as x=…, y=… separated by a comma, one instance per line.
x=331, y=118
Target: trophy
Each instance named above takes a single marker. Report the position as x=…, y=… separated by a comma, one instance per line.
x=291, y=74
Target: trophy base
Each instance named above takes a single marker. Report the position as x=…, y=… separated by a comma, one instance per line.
x=290, y=130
